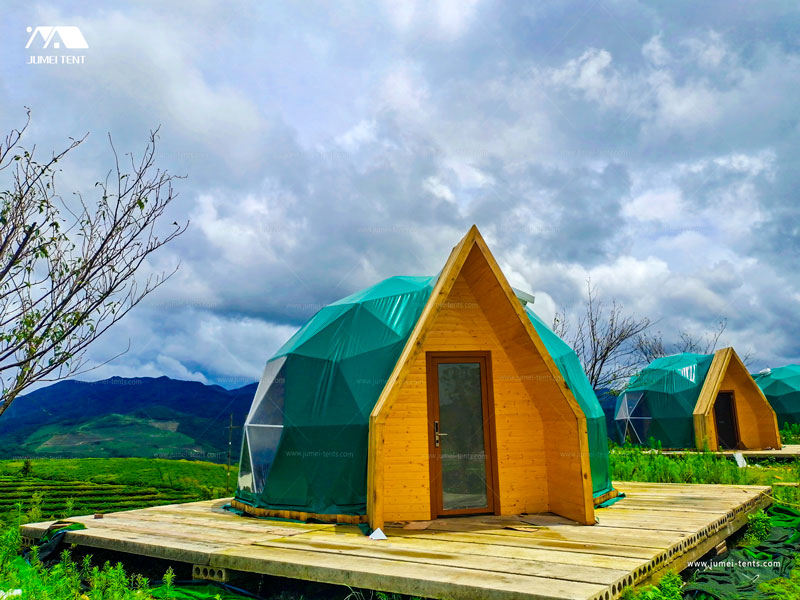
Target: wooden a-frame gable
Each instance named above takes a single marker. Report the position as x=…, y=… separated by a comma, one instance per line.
x=564, y=445
x=757, y=425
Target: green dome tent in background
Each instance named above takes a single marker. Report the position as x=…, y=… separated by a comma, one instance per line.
x=658, y=402
x=781, y=386
x=305, y=442
x=703, y=401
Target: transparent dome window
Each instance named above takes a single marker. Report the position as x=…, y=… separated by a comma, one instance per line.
x=263, y=443
x=267, y=408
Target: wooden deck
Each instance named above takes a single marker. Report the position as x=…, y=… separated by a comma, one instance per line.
x=657, y=527
x=788, y=451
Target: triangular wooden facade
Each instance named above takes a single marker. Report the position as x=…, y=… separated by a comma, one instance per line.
x=756, y=424
x=542, y=450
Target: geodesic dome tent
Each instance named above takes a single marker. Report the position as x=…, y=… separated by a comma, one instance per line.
x=781, y=386
x=696, y=401
x=324, y=441
x=659, y=402
x=305, y=439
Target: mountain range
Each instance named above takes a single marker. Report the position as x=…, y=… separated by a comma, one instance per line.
x=142, y=416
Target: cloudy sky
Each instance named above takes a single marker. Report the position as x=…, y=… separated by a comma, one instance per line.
x=652, y=147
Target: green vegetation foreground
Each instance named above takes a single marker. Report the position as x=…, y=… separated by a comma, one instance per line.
x=51, y=489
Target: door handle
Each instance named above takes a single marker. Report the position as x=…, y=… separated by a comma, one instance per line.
x=437, y=434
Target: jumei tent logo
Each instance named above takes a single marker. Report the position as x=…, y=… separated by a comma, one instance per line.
x=56, y=36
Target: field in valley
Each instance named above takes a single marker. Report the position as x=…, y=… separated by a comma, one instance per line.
x=59, y=488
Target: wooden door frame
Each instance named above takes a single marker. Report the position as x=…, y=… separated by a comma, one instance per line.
x=735, y=418
x=484, y=358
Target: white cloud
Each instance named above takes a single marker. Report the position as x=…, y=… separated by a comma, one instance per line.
x=439, y=189
x=708, y=51
x=665, y=205
x=400, y=12
x=592, y=74
x=655, y=52
x=627, y=273
x=443, y=18
x=454, y=16
x=750, y=164
x=404, y=90
x=469, y=176
x=689, y=106
x=358, y=135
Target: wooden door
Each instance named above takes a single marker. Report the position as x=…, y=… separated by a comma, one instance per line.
x=460, y=419
x=725, y=419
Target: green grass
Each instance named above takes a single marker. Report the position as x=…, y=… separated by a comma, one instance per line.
x=60, y=498
x=645, y=464
x=790, y=434
x=59, y=488
x=783, y=588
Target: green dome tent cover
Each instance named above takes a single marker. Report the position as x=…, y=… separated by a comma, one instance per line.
x=781, y=386
x=305, y=442
x=572, y=371
x=659, y=402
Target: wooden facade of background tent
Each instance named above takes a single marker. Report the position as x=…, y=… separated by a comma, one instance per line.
x=539, y=445
x=756, y=423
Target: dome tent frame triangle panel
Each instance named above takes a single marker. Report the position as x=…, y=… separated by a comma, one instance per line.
x=781, y=386
x=321, y=319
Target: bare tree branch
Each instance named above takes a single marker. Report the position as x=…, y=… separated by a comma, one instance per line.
x=604, y=339
x=67, y=272
x=651, y=346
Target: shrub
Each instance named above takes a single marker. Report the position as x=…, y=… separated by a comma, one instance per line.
x=758, y=528
x=669, y=588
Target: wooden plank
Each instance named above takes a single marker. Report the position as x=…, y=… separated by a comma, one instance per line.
x=610, y=545
x=576, y=535
x=144, y=543
x=402, y=577
x=186, y=533
x=595, y=555
x=432, y=554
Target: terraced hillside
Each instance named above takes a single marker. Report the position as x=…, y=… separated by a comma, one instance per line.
x=48, y=488
x=57, y=498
